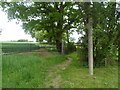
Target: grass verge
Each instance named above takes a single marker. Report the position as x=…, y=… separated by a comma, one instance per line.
x=76, y=76
x=27, y=70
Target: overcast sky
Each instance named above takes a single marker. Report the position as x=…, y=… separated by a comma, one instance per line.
x=11, y=30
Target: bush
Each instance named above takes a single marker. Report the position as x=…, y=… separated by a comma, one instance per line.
x=22, y=40
x=83, y=56
x=69, y=48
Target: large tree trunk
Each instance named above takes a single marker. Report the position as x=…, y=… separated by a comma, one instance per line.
x=58, y=45
x=60, y=33
x=90, y=46
x=89, y=27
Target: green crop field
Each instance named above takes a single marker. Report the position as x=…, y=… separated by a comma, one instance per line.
x=18, y=47
x=15, y=42
x=8, y=47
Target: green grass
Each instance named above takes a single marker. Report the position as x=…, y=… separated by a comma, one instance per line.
x=79, y=78
x=27, y=71
x=31, y=71
x=76, y=76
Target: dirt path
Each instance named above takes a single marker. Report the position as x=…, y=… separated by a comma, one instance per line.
x=42, y=51
x=56, y=77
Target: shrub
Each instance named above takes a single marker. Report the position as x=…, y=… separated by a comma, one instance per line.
x=69, y=48
x=22, y=40
x=83, y=56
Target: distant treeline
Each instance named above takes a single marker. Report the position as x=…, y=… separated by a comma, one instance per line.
x=21, y=40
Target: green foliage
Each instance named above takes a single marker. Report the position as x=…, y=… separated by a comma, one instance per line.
x=104, y=47
x=40, y=36
x=83, y=56
x=70, y=47
x=104, y=33
x=44, y=21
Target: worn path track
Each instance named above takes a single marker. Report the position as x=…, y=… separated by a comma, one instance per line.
x=42, y=51
x=56, y=77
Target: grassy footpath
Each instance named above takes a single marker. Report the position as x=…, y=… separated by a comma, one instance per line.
x=30, y=70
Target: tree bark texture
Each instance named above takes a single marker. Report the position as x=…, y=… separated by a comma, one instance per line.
x=90, y=45
x=58, y=45
x=62, y=48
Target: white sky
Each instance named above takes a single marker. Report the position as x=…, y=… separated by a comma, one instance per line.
x=13, y=31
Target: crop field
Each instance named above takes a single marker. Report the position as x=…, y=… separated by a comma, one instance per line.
x=18, y=47
x=10, y=47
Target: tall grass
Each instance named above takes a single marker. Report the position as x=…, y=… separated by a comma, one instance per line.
x=27, y=70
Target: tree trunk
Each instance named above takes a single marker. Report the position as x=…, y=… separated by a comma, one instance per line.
x=119, y=55
x=62, y=48
x=90, y=45
x=59, y=26
x=58, y=45
x=67, y=36
x=118, y=46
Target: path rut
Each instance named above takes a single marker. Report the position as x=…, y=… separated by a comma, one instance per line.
x=54, y=82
